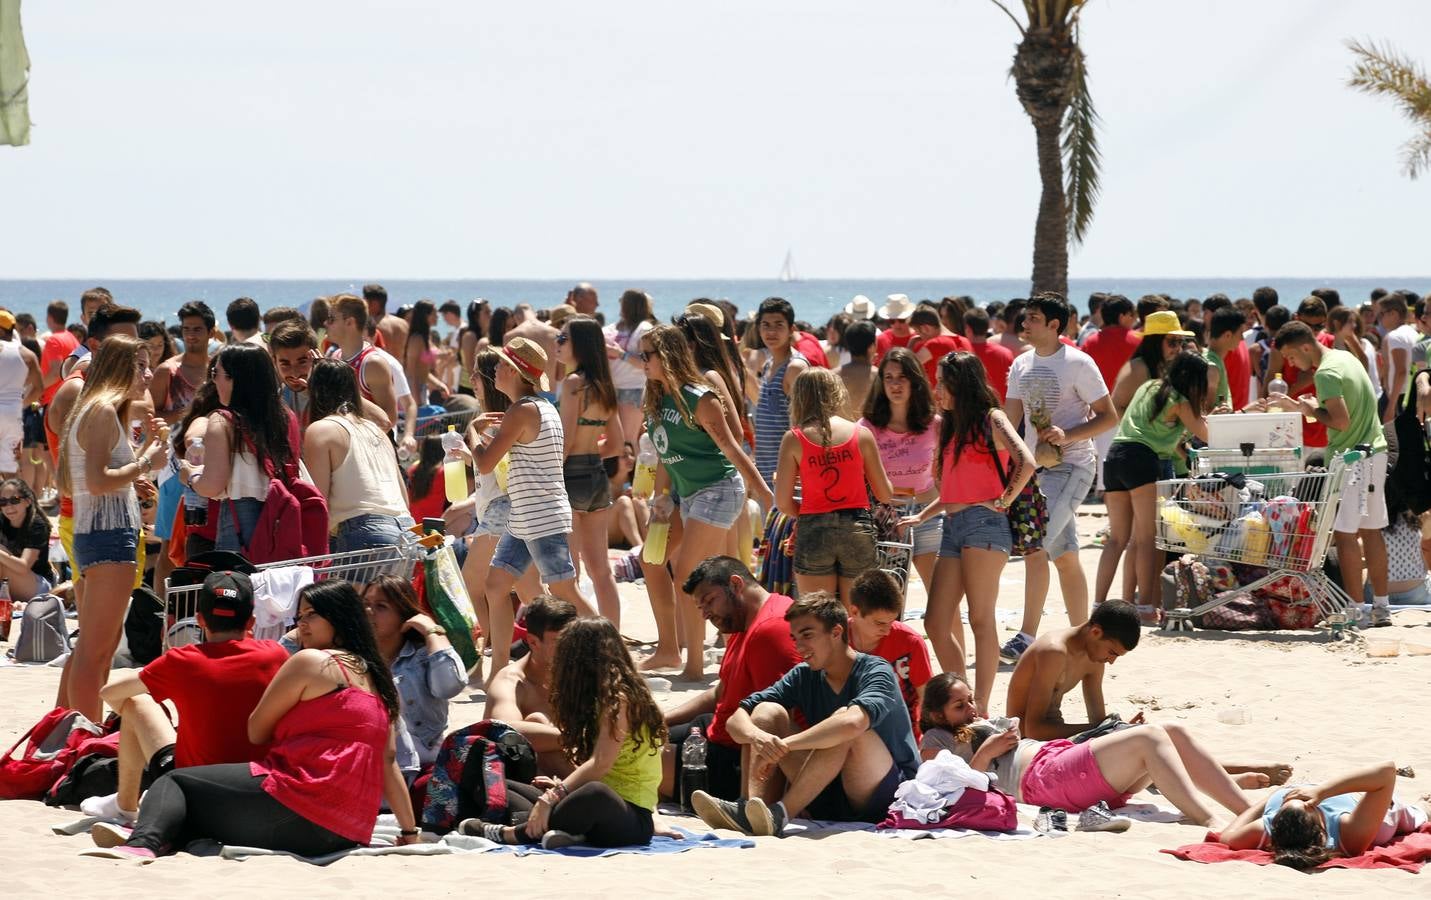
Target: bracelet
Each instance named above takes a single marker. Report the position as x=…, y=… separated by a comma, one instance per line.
x=561, y=790
x=193, y=478
x=410, y=832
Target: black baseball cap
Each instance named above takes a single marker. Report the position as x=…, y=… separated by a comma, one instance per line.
x=226, y=599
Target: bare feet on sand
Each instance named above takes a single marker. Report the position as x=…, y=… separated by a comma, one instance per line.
x=1251, y=777
x=657, y=663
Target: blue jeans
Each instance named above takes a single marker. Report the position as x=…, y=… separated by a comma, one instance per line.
x=978, y=528
x=1064, y=487
x=369, y=531
x=247, y=510
x=720, y=504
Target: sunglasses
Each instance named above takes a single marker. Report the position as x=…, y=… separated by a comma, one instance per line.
x=11, y=501
x=645, y=355
x=562, y=338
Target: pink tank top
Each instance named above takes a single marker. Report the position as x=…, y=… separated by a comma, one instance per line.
x=974, y=478
x=326, y=761
x=831, y=478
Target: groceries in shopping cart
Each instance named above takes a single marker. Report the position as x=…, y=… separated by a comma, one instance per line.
x=1246, y=537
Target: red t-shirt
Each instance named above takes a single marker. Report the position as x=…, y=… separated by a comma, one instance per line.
x=754, y=659
x=938, y=346
x=215, y=687
x=904, y=649
x=431, y=504
x=1111, y=346
x=1239, y=371
x=887, y=340
x=58, y=345
x=997, y=360
x=809, y=347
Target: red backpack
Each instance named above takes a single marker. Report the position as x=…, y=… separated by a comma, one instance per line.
x=55, y=742
x=294, y=521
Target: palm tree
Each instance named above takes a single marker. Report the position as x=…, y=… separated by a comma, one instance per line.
x=1049, y=74
x=1383, y=71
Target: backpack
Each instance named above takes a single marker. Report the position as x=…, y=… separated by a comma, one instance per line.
x=144, y=626
x=294, y=521
x=44, y=633
x=55, y=742
x=469, y=778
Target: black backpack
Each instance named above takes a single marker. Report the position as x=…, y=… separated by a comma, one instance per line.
x=144, y=626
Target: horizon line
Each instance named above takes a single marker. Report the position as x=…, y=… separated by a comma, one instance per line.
x=576, y=279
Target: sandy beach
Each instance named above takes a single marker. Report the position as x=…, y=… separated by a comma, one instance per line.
x=1319, y=705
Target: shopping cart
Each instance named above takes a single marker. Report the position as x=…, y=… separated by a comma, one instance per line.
x=357, y=566
x=1278, y=520
x=431, y=426
x=897, y=557
x=1247, y=460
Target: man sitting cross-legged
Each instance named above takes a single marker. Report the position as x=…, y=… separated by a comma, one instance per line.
x=856, y=746
x=214, y=685
x=519, y=694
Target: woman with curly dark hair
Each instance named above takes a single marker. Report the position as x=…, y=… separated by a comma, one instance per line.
x=612, y=731
x=328, y=717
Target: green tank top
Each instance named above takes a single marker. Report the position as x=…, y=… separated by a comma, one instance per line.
x=691, y=457
x=1139, y=426
x=636, y=774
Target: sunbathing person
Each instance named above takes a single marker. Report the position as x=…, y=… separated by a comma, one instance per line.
x=1057, y=661
x=329, y=715
x=225, y=664
x=611, y=732
x=1307, y=825
x=855, y=749
x=519, y=694
x=1074, y=777
x=758, y=651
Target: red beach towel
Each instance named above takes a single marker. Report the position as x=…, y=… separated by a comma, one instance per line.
x=1408, y=853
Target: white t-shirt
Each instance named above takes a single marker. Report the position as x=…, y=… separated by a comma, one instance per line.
x=1065, y=385
x=627, y=375
x=1372, y=369
x=400, y=385
x=1402, y=337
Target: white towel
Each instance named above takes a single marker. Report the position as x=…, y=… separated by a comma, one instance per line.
x=275, y=598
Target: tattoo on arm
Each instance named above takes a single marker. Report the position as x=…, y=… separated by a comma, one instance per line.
x=1010, y=437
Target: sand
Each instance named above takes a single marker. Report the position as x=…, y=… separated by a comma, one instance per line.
x=1321, y=706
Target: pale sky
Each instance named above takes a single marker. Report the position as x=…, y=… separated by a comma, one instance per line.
x=423, y=139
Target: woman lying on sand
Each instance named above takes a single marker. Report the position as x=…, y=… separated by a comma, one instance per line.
x=1074, y=777
x=1307, y=825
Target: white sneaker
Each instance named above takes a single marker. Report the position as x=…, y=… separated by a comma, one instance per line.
x=1101, y=818
x=107, y=808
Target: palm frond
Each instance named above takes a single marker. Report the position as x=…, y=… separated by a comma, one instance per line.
x=1381, y=71
x=1082, y=160
x=1012, y=18
x=1416, y=155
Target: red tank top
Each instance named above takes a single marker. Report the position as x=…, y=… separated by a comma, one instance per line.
x=357, y=364
x=974, y=478
x=327, y=758
x=831, y=478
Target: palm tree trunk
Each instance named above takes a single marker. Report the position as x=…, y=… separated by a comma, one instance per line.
x=1050, y=255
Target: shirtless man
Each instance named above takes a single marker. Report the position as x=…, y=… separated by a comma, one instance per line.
x=393, y=329
x=518, y=694
x=1059, y=660
x=582, y=298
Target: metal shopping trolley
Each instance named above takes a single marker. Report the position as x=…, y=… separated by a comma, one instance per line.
x=1279, y=520
x=897, y=557
x=431, y=426
x=358, y=566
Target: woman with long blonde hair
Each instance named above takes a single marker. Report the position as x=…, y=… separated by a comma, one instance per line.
x=98, y=468
x=703, y=470
x=838, y=466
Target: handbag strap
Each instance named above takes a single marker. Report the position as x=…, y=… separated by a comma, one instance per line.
x=994, y=452
x=23, y=738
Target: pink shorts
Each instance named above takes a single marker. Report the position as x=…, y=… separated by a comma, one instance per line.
x=1065, y=776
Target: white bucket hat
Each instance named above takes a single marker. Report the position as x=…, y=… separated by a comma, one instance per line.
x=861, y=308
x=896, y=306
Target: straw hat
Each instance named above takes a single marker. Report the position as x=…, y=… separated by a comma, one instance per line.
x=529, y=359
x=1164, y=322
x=896, y=306
x=861, y=308
x=559, y=314
x=710, y=311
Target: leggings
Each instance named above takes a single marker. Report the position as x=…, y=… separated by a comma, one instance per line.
x=228, y=804
x=605, y=817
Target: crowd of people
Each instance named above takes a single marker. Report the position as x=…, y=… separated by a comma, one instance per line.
x=748, y=469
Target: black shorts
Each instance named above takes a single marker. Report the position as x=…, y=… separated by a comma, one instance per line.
x=1130, y=465
x=587, y=487
x=832, y=805
x=722, y=762
x=33, y=423
x=160, y=764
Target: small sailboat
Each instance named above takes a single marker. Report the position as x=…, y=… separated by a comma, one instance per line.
x=787, y=271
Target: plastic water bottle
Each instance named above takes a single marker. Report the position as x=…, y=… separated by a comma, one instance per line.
x=7, y=609
x=643, y=483
x=693, y=767
x=454, y=467
x=196, y=506
x=1277, y=385
x=654, y=552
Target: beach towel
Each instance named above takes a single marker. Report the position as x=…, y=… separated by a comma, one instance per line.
x=1408, y=853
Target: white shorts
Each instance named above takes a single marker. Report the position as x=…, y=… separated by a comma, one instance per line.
x=1363, y=499
x=12, y=432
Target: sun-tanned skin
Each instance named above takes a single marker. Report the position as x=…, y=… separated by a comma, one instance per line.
x=1057, y=662
x=518, y=695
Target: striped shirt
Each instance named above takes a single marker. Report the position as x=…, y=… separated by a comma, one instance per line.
x=772, y=417
x=539, y=503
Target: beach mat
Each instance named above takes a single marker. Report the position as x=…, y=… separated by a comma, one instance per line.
x=1408, y=854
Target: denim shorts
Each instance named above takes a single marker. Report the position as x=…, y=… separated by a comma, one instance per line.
x=247, y=510
x=552, y=555
x=835, y=543
x=493, y=519
x=928, y=536
x=113, y=545
x=369, y=531
x=587, y=488
x=720, y=504
x=43, y=585
x=976, y=528
x=629, y=396
x=1064, y=488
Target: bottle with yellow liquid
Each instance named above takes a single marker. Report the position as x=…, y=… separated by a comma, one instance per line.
x=454, y=467
x=654, y=552
x=504, y=466
x=643, y=482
